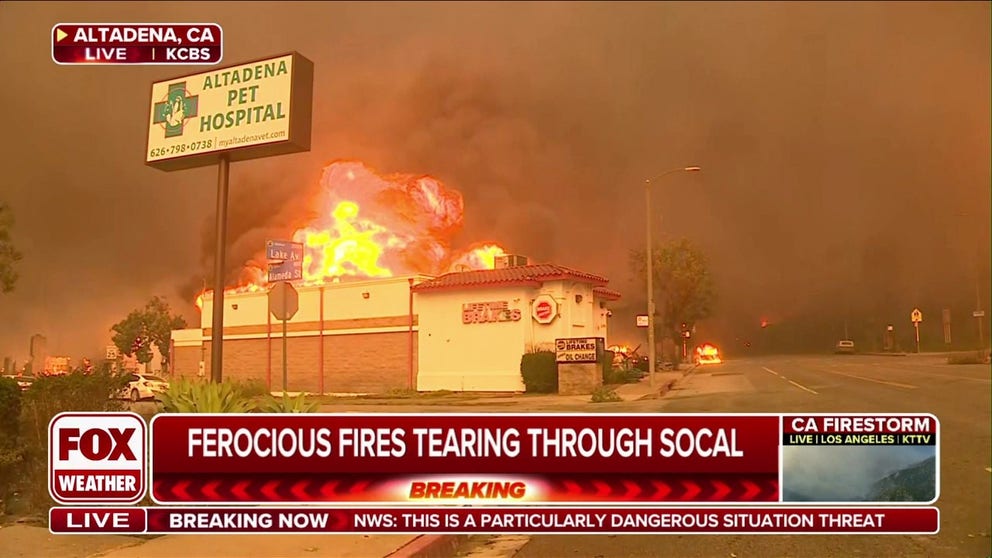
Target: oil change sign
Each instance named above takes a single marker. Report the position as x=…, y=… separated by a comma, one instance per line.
x=576, y=350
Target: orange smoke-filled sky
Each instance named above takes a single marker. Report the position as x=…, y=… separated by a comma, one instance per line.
x=839, y=143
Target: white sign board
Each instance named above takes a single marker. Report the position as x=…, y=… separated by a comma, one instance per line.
x=576, y=350
x=642, y=320
x=916, y=316
x=978, y=314
x=112, y=352
x=240, y=110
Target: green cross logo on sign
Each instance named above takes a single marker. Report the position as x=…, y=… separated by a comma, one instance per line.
x=175, y=110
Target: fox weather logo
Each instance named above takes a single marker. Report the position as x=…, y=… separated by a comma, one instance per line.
x=177, y=107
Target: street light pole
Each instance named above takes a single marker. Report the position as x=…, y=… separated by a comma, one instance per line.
x=978, y=292
x=978, y=308
x=649, y=257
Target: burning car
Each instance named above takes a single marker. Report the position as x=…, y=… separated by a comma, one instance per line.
x=708, y=354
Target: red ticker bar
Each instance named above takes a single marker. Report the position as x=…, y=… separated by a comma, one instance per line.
x=771, y=520
x=153, y=43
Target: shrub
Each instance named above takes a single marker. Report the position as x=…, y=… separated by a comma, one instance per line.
x=604, y=394
x=540, y=372
x=10, y=451
x=252, y=388
x=973, y=357
x=287, y=404
x=10, y=411
x=606, y=364
x=48, y=396
x=624, y=374
x=185, y=396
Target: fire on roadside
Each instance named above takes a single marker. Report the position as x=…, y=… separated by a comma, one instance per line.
x=369, y=225
x=708, y=353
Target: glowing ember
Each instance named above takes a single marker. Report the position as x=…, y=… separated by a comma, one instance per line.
x=379, y=226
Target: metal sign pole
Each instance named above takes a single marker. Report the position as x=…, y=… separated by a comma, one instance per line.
x=285, y=376
x=917, y=337
x=217, y=329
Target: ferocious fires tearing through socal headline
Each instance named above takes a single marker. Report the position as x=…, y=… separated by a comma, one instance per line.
x=462, y=442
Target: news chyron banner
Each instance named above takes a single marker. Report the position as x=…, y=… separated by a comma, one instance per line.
x=496, y=473
x=137, y=43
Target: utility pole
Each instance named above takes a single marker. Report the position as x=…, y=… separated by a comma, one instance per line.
x=649, y=257
x=979, y=315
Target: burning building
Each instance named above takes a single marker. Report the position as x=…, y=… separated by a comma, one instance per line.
x=386, y=301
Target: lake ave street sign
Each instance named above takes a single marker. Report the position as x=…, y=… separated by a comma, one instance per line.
x=285, y=260
x=283, y=250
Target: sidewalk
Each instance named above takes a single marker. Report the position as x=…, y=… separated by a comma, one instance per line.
x=663, y=382
x=29, y=541
x=263, y=546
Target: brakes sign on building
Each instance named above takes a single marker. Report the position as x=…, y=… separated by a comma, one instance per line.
x=248, y=111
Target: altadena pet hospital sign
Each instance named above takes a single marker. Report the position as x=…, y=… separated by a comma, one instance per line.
x=252, y=110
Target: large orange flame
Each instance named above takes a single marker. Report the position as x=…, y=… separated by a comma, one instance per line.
x=368, y=225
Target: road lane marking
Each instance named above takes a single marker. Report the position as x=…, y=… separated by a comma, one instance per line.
x=948, y=376
x=802, y=387
x=798, y=385
x=877, y=381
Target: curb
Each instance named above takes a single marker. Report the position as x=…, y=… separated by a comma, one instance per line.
x=429, y=546
x=663, y=390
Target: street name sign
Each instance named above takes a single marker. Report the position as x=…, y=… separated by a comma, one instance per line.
x=283, y=250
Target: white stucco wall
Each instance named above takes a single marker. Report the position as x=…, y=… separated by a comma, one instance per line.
x=451, y=355
x=470, y=357
x=575, y=319
x=345, y=300
x=486, y=357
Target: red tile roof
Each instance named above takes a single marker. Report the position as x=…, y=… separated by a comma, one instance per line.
x=606, y=294
x=525, y=275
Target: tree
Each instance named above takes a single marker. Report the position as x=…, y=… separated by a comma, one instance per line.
x=8, y=254
x=684, y=290
x=142, y=328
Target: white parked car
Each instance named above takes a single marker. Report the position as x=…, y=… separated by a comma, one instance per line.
x=844, y=347
x=145, y=386
x=23, y=382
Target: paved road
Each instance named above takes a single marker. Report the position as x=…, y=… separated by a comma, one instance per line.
x=958, y=395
